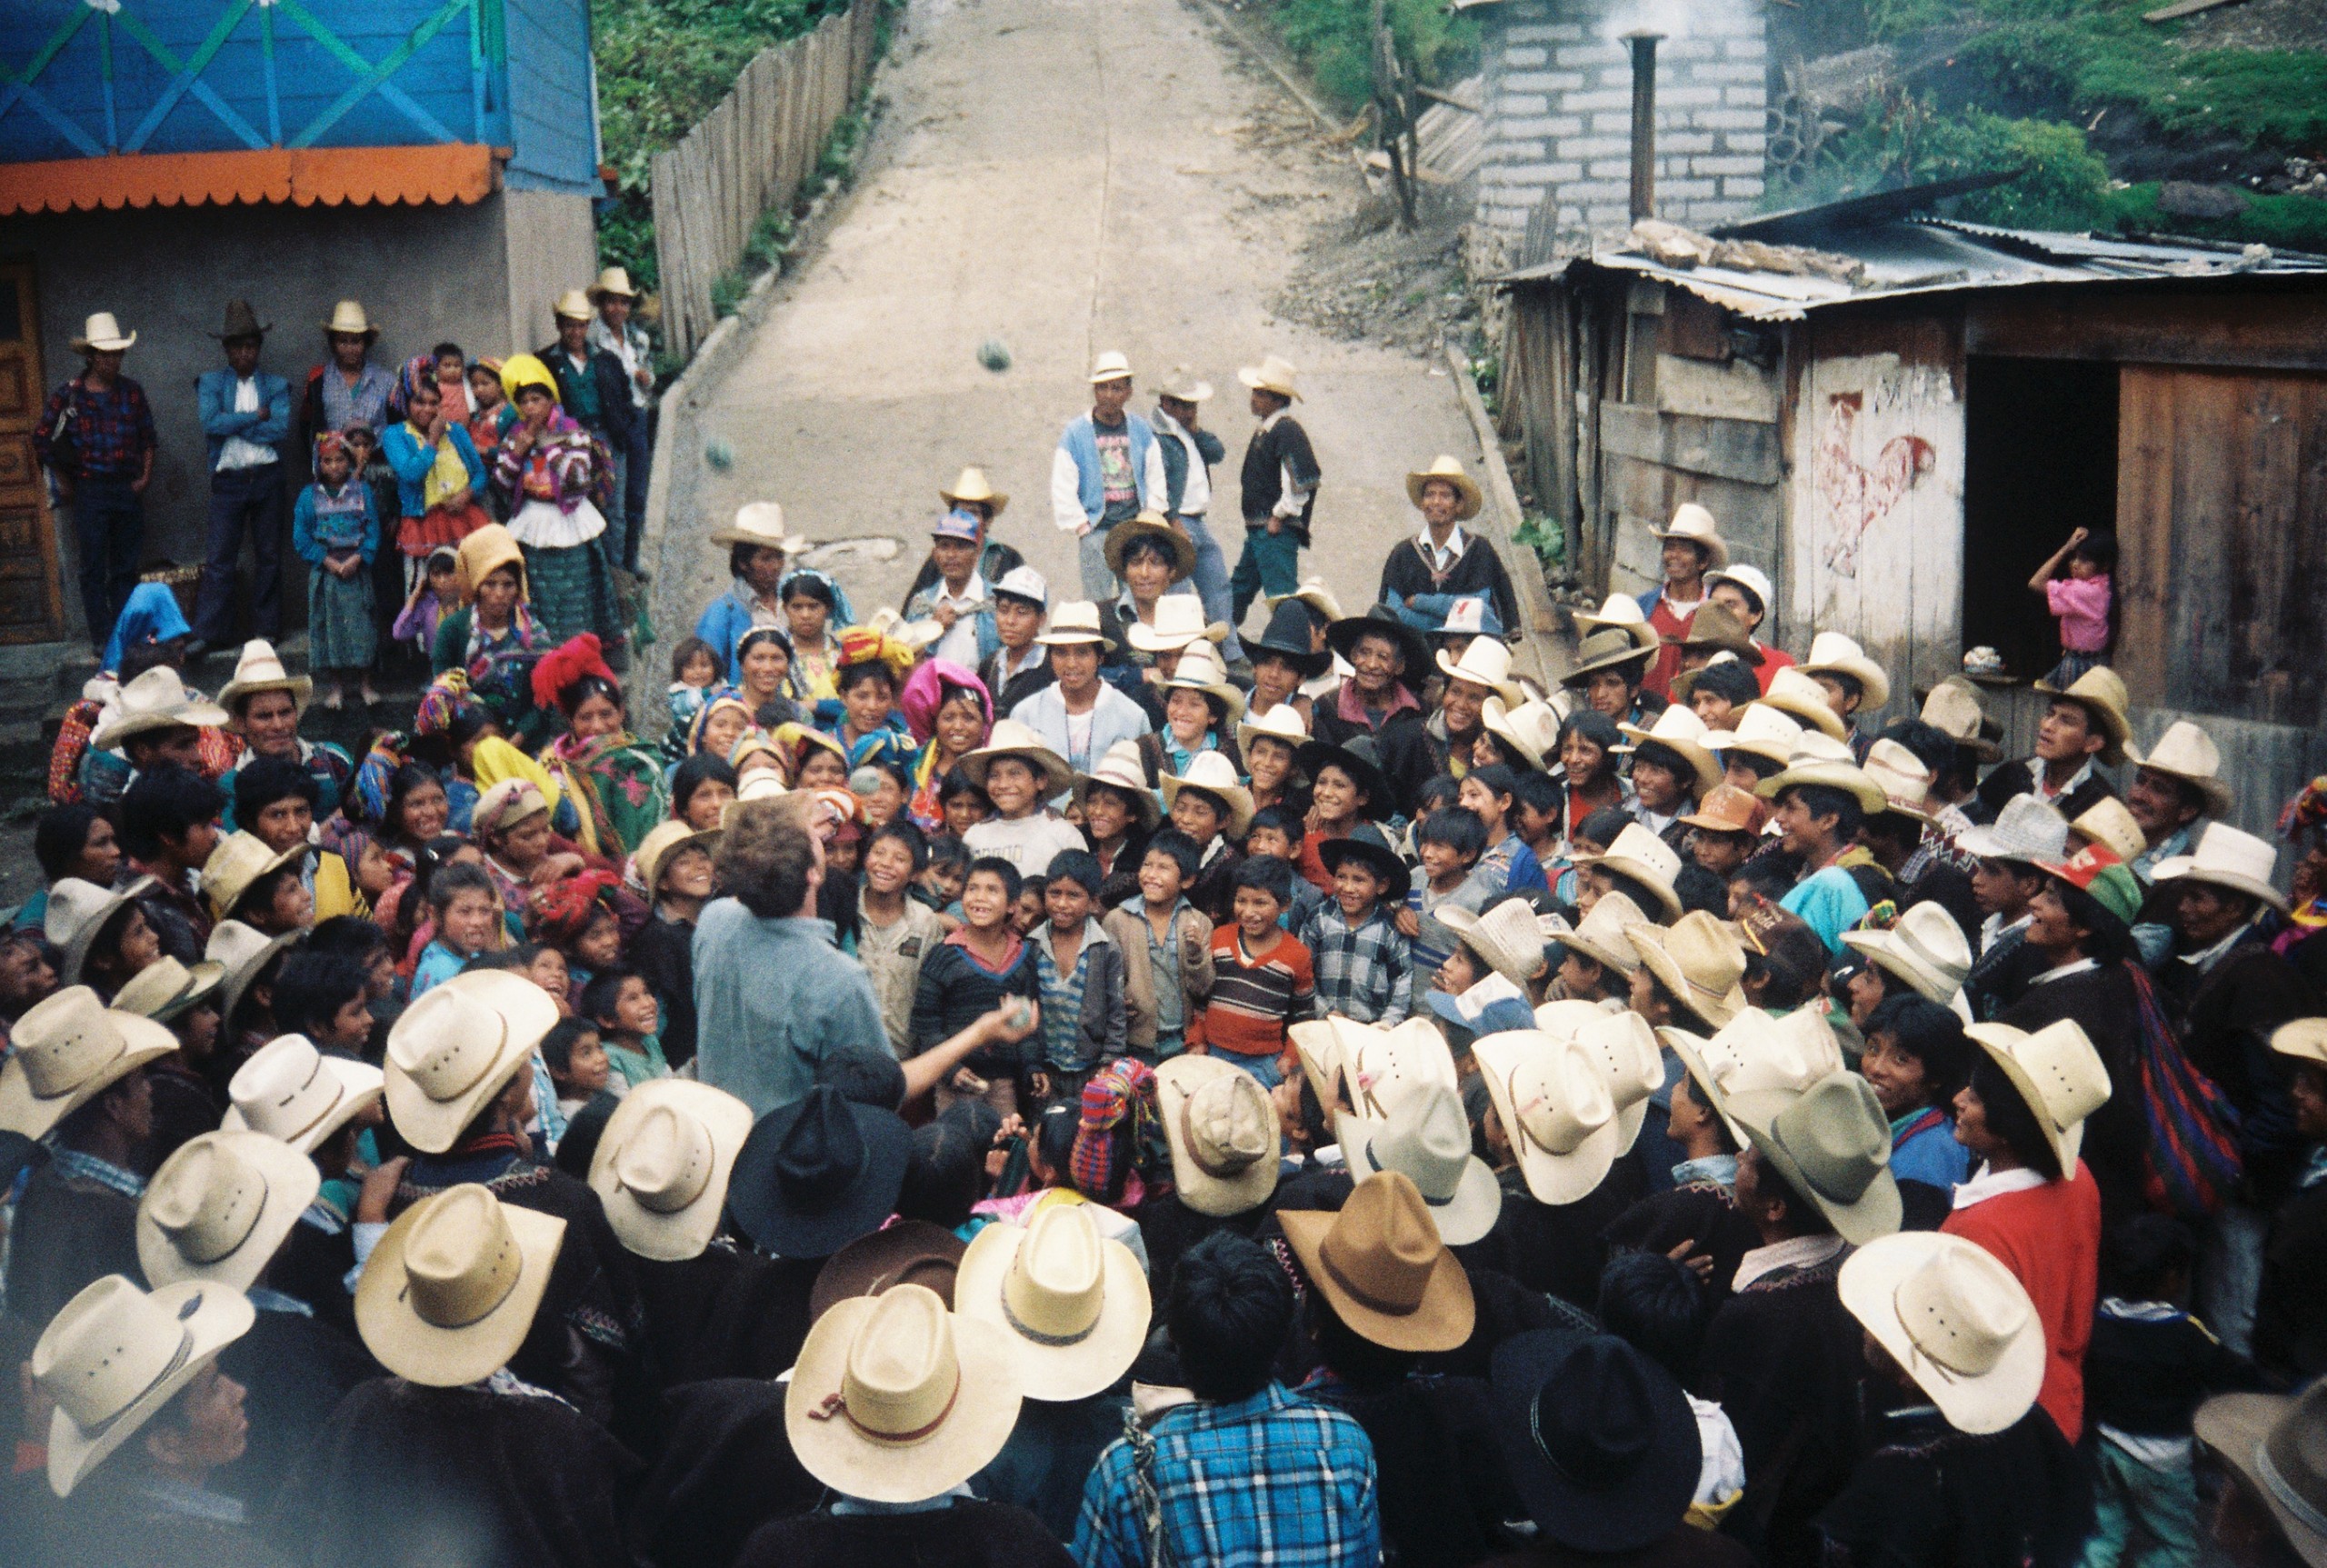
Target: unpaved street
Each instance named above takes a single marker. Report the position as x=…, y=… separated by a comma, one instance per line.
x=1065, y=177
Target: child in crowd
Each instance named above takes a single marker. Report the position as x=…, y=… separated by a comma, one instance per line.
x=1166, y=947
x=1490, y=793
x=974, y=970
x=621, y=1005
x=964, y=803
x=697, y=671
x=943, y=877
x=1029, y=912
x=466, y=908
x=2083, y=601
x=869, y=728
x=1214, y=818
x=895, y=931
x=547, y=967
x=1448, y=843
x=1364, y=966
x=124, y=945
x=1917, y=1058
x=1536, y=803
x=1278, y=831
x=577, y=1065
x=324, y=996
x=335, y=529
x=1024, y=831
x=1081, y=975
x=1657, y=1305
x=881, y=790
x=1262, y=979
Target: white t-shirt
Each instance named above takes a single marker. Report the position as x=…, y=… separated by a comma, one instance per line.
x=1029, y=843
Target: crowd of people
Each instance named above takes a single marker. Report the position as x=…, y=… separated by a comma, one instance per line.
x=1192, y=1073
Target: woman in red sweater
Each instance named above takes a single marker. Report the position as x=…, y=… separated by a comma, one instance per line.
x=2030, y=1200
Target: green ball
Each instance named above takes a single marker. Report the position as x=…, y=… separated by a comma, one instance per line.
x=719, y=454
x=994, y=356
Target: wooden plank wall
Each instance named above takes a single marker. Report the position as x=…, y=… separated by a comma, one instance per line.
x=751, y=154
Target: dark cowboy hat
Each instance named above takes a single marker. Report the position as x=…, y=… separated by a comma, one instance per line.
x=1598, y=1441
x=817, y=1173
x=1288, y=633
x=909, y=1253
x=242, y=322
x=1605, y=651
x=1357, y=760
x=1365, y=843
x=1342, y=635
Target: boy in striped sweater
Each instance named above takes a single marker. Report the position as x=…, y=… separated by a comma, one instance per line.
x=1263, y=979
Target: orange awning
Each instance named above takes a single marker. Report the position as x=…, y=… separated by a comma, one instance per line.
x=334, y=176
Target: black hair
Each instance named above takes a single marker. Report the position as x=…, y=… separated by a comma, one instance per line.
x=1036, y=883
x=2012, y=1119
x=2100, y=549
x=60, y=836
x=683, y=653
x=852, y=676
x=1267, y=874
x=348, y=936
x=1539, y=792
x=557, y=1045
x=1181, y=850
x=1827, y=800
x=1932, y=1034
x=451, y=881
x=605, y=990
x=263, y=781
x=948, y=852
x=1729, y=678
x=2141, y=1253
x=1754, y=763
x=1790, y=972
x=863, y=1076
x=1602, y=827
x=1684, y=1012
x=1496, y=779
x=1148, y=545
x=1217, y=802
x=311, y=989
x=1079, y=866
x=1853, y=688
x=1054, y=1132
x=1802, y=1217
x=958, y=781
x=165, y=802
x=1634, y=888
x=1228, y=1310
x=1771, y=874
x=692, y=774
x=946, y=1173
x=1933, y=746
x=807, y=585
x=1284, y=820
x=1657, y=1305
x=907, y=832
x=582, y=688
x=407, y=778
x=888, y=767
x=451, y=351
x=1657, y=754
x=1456, y=827
x=1354, y=1359
x=1012, y=882
x=739, y=558
x=2109, y=940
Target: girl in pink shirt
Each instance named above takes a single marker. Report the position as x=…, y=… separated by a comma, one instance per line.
x=2081, y=601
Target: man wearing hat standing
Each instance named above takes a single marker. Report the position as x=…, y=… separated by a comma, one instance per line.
x=1441, y=558
x=960, y=601
x=1019, y=665
x=596, y=391
x=1278, y=490
x=1691, y=546
x=1820, y=802
x=97, y=440
x=245, y=418
x=1189, y=452
x=2178, y=782
x=1108, y=469
x=612, y=332
x=2084, y=727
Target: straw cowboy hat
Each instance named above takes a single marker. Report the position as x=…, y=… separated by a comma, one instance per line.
x=1317, y=1041
x=1694, y=524
x=77, y=912
x=2026, y=830
x=348, y=320
x=1833, y=654
x=451, y=1290
x=458, y=1046
x=615, y=280
x=1445, y=470
x=1179, y=624
x=2110, y=824
x=101, y=334
x=1183, y=385
x=818, y=1172
x=1679, y=731
x=2057, y=1072
x=1698, y=960
x=1556, y=1109
x=1926, y=949
x=1384, y=1267
x=1904, y=781
x=901, y=1253
x=1954, y=708
x=241, y=859
x=662, y=1165
x=1199, y=669
x=114, y=1356
x=1600, y=934
x=156, y=700
x=1121, y=768
x=1624, y=1049
x=1607, y=649
x=1009, y=738
x=896, y=1400
x=1223, y=1133
x=973, y=489
x=1075, y=1302
x=258, y=668
x=1385, y=1066
x=1427, y=1140
x=1077, y=621
x=1312, y=592
x=241, y=322
x=1531, y=728
x=2305, y=1040
x=1281, y=723
x=1728, y=809
x=1621, y=612
x=1486, y=662
x=1757, y=1054
x=1505, y=936
x=298, y=1096
x=66, y=1051
x=1151, y=525
x=1795, y=695
x=2100, y=693
x=1646, y=858
x=1955, y=1320
x=1762, y=730
x=1024, y=582
x=759, y=523
x=2188, y=753
x=575, y=305
x=2228, y=857
x=221, y=1207
x=1714, y=626
x=164, y=989
x=1111, y=365
x=663, y=840
x=1832, y=1143
x=1810, y=766
x=243, y=952
x=2278, y=1444
x=1214, y=774
x=1600, y=1442
x=1273, y=374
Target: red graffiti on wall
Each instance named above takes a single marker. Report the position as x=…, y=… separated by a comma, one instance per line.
x=1857, y=496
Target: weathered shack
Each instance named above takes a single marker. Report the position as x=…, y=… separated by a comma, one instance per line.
x=1902, y=424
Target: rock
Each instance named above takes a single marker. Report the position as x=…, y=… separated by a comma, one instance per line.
x=2188, y=199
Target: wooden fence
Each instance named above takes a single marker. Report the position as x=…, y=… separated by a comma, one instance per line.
x=751, y=153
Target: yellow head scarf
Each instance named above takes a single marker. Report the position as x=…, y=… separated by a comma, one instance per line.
x=524, y=370
x=495, y=759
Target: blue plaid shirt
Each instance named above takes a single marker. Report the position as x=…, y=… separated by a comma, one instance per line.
x=111, y=429
x=1365, y=972
x=1270, y=1482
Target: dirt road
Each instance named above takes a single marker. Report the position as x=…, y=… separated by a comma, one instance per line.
x=1065, y=177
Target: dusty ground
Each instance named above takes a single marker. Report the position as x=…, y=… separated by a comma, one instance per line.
x=1066, y=176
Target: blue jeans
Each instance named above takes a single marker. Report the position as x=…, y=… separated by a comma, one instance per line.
x=2143, y=1517
x=243, y=501
x=1267, y=1069
x=109, y=525
x=638, y=459
x=1211, y=582
x=1271, y=564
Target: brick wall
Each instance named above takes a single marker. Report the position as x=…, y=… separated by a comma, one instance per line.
x=1558, y=109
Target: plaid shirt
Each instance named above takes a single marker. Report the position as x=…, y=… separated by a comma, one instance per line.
x=112, y=429
x=1270, y=1482
x=105, y=1173
x=1366, y=974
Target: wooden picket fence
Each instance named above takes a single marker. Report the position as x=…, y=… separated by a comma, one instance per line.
x=751, y=153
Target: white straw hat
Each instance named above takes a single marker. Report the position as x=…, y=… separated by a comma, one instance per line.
x=1273, y=374
x=1556, y=1109
x=2228, y=857
x=1832, y=1145
x=1075, y=1302
x=1955, y=1320
x=1835, y=653
x=1647, y=859
x=115, y=1355
x=1485, y=662
x=66, y=1051
x=1179, y=622
x=77, y=912
x=1386, y=1065
x=663, y=1162
x=294, y=1093
x=156, y=700
x=1505, y=936
x=451, y=1290
x=1214, y=774
x=1694, y=524
x=259, y=668
x=1926, y=948
x=2188, y=753
x=1223, y=1133
x=1427, y=1139
x=221, y=1207
x=458, y=1046
x=2026, y=830
x=2057, y=1072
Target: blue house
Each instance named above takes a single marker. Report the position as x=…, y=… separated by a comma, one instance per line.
x=435, y=159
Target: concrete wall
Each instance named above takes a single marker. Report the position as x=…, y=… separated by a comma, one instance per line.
x=1557, y=102
x=482, y=276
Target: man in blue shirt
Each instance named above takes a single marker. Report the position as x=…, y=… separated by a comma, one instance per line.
x=1108, y=469
x=245, y=417
x=1820, y=806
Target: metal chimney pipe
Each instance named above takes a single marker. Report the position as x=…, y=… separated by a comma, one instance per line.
x=1643, y=194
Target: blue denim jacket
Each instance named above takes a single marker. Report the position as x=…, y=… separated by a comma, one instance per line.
x=268, y=427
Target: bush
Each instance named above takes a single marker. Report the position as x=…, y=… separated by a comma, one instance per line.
x=2282, y=223
x=1905, y=141
x=1329, y=39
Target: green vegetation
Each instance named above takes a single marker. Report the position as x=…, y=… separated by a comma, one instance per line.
x=1905, y=140
x=1329, y=39
x=2282, y=223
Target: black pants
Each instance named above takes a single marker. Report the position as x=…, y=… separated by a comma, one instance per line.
x=109, y=522
x=243, y=501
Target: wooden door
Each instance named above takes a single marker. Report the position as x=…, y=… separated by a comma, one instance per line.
x=31, y=603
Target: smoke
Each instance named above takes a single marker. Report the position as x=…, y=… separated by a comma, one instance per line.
x=1668, y=17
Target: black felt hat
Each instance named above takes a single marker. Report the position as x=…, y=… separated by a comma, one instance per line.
x=1357, y=760
x=1287, y=634
x=1365, y=843
x=1382, y=621
x=817, y=1173
x=1598, y=1441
